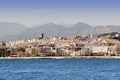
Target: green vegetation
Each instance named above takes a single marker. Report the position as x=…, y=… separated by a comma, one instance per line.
x=21, y=49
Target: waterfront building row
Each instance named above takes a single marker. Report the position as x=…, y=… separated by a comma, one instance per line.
x=62, y=46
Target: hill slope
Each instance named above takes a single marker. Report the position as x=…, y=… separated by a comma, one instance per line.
x=10, y=28
x=51, y=29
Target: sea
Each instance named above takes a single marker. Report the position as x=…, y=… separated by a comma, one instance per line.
x=60, y=69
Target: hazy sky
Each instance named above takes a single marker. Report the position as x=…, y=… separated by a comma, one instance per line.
x=29, y=12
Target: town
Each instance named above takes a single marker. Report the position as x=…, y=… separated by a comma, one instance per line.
x=107, y=44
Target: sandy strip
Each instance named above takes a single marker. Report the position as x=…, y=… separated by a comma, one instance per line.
x=59, y=57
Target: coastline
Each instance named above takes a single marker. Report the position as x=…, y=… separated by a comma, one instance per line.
x=62, y=57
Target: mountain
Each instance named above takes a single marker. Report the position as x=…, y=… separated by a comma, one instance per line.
x=51, y=30
x=80, y=29
x=10, y=28
x=105, y=29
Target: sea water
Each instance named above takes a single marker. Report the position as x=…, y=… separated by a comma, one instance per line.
x=60, y=69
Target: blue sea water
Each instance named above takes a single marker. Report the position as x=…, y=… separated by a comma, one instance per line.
x=60, y=69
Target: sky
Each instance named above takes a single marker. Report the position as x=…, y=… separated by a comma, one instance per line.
x=31, y=12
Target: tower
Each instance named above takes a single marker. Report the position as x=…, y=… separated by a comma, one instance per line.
x=42, y=35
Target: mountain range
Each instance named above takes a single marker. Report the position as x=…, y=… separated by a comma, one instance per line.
x=15, y=31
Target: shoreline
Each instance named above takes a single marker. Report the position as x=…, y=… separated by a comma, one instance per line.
x=62, y=57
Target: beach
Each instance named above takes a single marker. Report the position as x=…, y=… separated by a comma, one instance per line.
x=59, y=57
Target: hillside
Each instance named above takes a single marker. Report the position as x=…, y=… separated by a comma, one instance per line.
x=51, y=30
x=10, y=28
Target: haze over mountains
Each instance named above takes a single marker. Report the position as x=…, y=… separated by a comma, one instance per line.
x=15, y=31
x=10, y=28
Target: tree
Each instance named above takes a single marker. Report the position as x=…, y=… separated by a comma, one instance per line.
x=21, y=49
